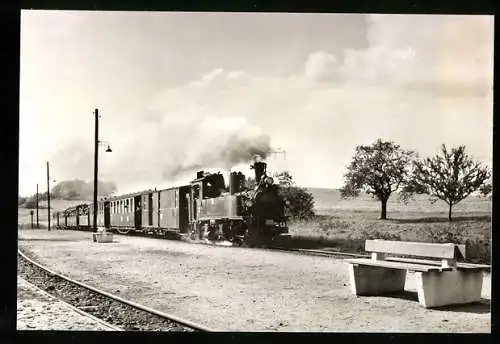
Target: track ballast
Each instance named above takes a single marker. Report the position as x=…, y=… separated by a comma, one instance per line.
x=121, y=313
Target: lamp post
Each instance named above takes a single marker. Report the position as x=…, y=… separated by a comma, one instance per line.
x=48, y=196
x=96, y=157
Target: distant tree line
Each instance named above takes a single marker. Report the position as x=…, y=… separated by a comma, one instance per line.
x=384, y=167
x=69, y=190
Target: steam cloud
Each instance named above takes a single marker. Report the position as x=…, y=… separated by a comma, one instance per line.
x=235, y=150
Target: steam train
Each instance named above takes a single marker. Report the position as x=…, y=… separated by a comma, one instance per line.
x=203, y=210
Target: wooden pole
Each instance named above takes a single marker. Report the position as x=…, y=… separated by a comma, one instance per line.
x=96, y=152
x=31, y=213
x=48, y=197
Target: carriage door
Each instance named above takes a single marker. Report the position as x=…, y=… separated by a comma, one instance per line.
x=138, y=212
x=106, y=214
x=183, y=209
x=194, y=201
x=150, y=209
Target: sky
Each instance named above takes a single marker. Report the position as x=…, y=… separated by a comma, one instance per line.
x=175, y=91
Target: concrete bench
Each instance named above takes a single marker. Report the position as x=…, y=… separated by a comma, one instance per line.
x=439, y=282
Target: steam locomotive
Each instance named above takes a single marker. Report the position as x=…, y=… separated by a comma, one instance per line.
x=203, y=210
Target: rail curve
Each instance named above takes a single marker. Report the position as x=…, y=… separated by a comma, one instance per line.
x=170, y=317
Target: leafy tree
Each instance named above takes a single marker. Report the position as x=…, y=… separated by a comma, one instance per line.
x=300, y=201
x=71, y=189
x=486, y=189
x=72, y=194
x=21, y=200
x=379, y=170
x=450, y=176
x=30, y=203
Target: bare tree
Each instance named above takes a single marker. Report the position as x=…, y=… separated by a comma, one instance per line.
x=379, y=170
x=450, y=176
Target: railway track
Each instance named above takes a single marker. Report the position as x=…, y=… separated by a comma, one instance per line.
x=121, y=313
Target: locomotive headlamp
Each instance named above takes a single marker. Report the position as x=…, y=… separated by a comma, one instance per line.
x=287, y=202
x=269, y=180
x=248, y=203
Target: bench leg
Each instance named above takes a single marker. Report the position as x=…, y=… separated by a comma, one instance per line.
x=448, y=287
x=373, y=280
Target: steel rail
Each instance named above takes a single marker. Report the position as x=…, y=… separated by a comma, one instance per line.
x=170, y=317
x=76, y=309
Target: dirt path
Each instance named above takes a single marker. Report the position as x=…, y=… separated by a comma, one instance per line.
x=239, y=289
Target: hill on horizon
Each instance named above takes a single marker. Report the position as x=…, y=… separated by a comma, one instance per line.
x=330, y=199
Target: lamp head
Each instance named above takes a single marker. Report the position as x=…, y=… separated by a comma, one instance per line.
x=109, y=149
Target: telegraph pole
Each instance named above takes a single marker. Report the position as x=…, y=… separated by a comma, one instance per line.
x=48, y=196
x=96, y=152
x=37, y=223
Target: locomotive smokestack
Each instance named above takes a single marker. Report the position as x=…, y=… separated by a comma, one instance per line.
x=233, y=183
x=260, y=169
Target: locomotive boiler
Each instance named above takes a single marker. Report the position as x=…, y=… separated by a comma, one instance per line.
x=238, y=215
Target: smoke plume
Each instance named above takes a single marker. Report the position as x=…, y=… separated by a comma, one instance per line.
x=223, y=153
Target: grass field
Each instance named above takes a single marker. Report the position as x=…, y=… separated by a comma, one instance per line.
x=345, y=224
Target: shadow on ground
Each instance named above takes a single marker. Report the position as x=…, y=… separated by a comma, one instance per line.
x=481, y=307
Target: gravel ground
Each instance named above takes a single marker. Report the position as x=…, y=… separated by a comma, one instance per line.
x=116, y=313
x=37, y=310
x=240, y=289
